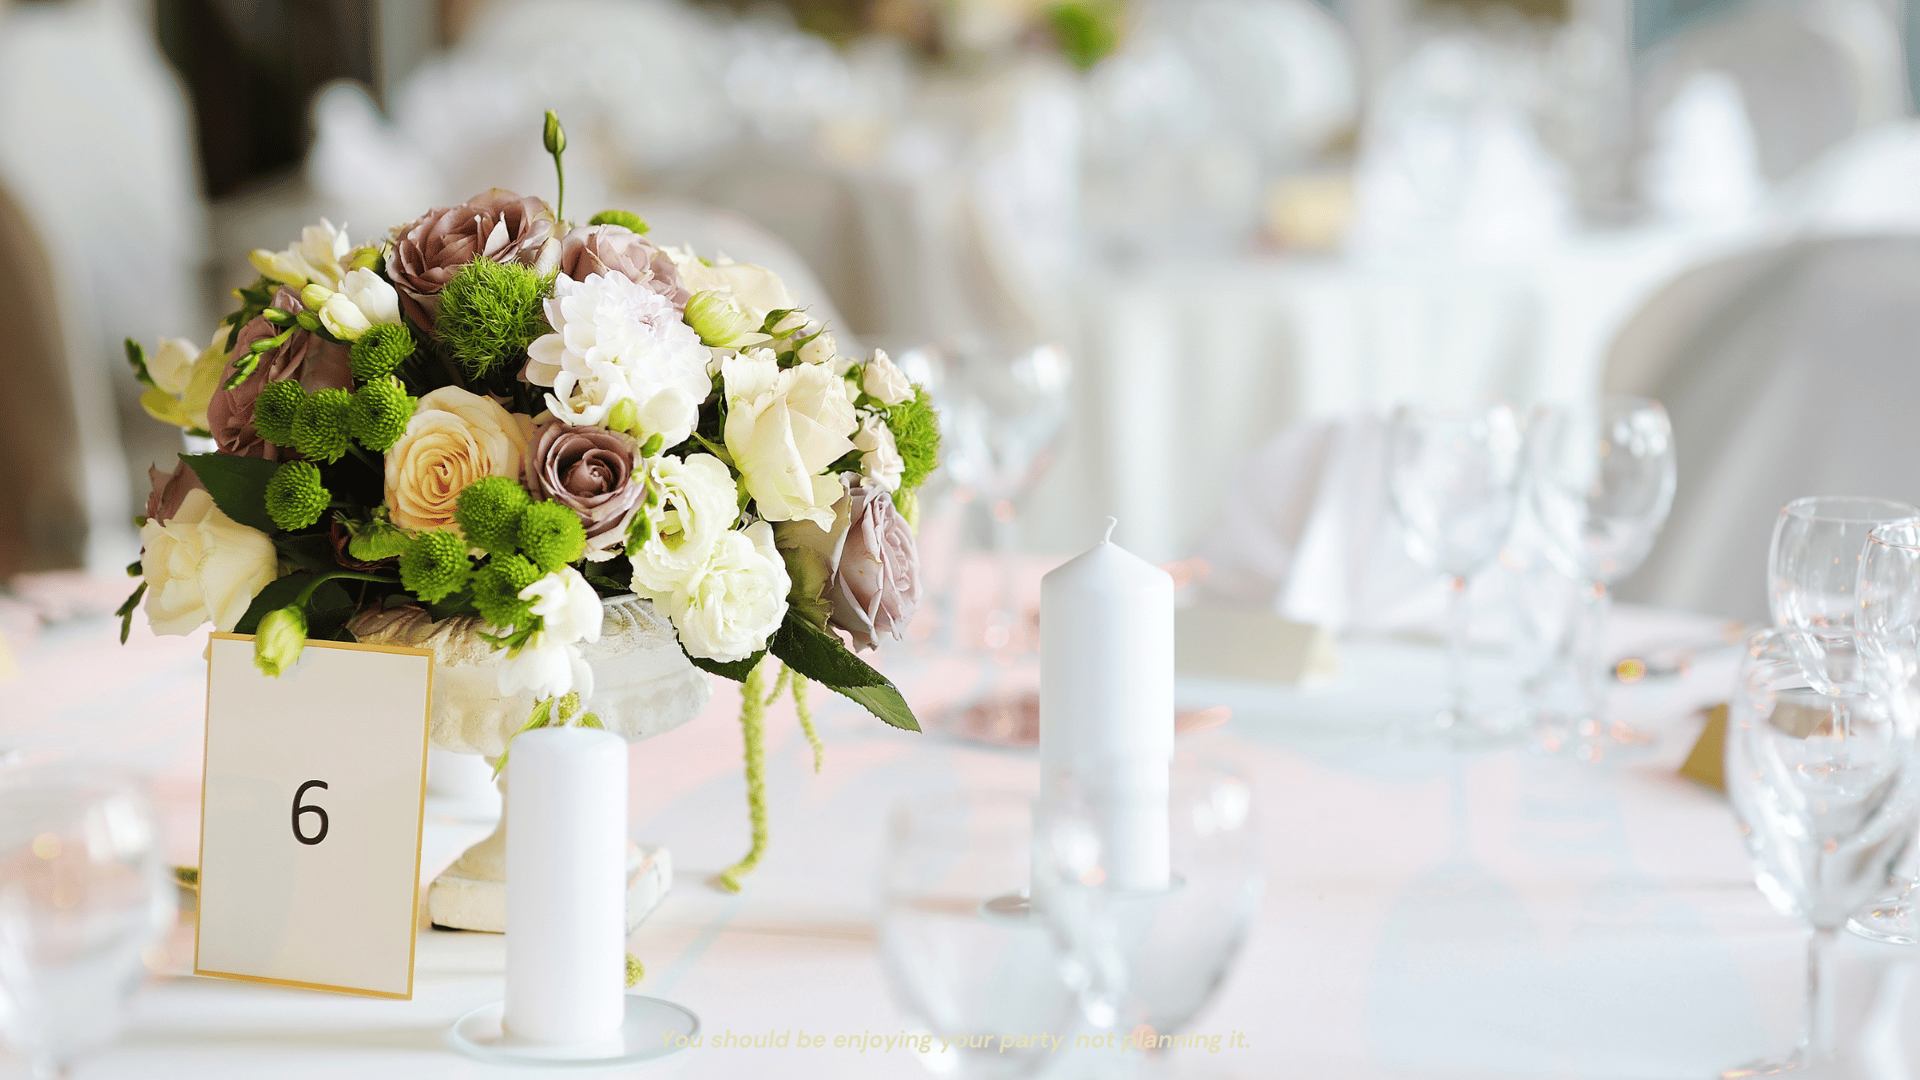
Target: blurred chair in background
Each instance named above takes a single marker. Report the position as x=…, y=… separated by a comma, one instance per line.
x=1787, y=371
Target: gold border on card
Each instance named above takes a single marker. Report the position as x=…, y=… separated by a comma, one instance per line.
x=419, y=825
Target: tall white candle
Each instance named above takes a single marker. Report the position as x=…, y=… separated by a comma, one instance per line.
x=1106, y=701
x=566, y=886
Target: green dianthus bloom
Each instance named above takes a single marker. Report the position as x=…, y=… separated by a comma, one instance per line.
x=436, y=566
x=380, y=350
x=916, y=434
x=551, y=535
x=380, y=413
x=275, y=410
x=295, y=496
x=622, y=218
x=490, y=312
x=489, y=513
x=496, y=590
x=322, y=430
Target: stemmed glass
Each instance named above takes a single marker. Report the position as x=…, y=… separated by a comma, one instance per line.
x=83, y=893
x=1146, y=956
x=1452, y=476
x=1824, y=789
x=1601, y=482
x=1887, y=594
x=959, y=945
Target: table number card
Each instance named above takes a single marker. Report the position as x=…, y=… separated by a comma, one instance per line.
x=310, y=816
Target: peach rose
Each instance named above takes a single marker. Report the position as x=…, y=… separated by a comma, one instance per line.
x=454, y=438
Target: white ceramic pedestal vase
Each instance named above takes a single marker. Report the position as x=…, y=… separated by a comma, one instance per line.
x=643, y=685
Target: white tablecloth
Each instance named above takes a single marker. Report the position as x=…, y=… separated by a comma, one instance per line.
x=1427, y=914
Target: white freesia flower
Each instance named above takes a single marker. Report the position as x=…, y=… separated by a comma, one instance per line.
x=171, y=364
x=884, y=381
x=757, y=290
x=314, y=259
x=363, y=301
x=880, y=461
x=202, y=566
x=616, y=341
x=550, y=663
x=698, y=505
x=783, y=429
x=568, y=607
x=734, y=603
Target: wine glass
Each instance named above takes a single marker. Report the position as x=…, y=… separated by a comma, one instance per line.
x=83, y=893
x=1451, y=474
x=1601, y=482
x=1824, y=789
x=959, y=946
x=1887, y=596
x=1813, y=570
x=1149, y=935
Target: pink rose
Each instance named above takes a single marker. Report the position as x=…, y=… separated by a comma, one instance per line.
x=590, y=471
x=616, y=249
x=319, y=364
x=875, y=589
x=495, y=224
x=169, y=491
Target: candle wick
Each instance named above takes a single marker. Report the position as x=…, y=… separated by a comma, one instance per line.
x=1108, y=538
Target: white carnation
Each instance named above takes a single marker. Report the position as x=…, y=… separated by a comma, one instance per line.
x=730, y=608
x=616, y=341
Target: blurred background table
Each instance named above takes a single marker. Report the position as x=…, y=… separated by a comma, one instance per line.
x=1502, y=914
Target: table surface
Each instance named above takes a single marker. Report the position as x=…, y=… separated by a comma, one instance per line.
x=1433, y=914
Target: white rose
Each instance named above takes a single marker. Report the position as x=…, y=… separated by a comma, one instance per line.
x=880, y=461
x=568, y=607
x=545, y=668
x=203, y=566
x=884, y=381
x=783, y=428
x=454, y=438
x=819, y=349
x=616, y=341
x=313, y=259
x=735, y=602
x=698, y=505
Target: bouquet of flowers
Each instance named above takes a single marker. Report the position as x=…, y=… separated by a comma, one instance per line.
x=493, y=412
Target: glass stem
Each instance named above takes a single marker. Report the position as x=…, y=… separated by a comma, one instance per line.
x=1820, y=991
x=1005, y=544
x=1459, y=622
x=1590, y=656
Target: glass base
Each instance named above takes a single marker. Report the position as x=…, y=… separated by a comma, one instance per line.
x=1893, y=920
x=480, y=1034
x=1798, y=1064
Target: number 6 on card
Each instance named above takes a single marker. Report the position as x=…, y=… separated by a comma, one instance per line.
x=310, y=816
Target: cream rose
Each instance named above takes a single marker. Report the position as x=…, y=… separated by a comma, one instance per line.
x=735, y=602
x=698, y=504
x=783, y=429
x=454, y=438
x=202, y=566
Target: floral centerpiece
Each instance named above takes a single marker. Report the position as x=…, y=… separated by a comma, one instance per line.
x=492, y=412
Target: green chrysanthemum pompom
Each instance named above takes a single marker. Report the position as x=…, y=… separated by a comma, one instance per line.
x=490, y=312
x=436, y=566
x=489, y=513
x=496, y=590
x=323, y=430
x=295, y=496
x=380, y=350
x=381, y=410
x=551, y=535
x=622, y=218
x=916, y=433
x=275, y=410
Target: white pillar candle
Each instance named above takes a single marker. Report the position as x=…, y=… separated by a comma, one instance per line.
x=1106, y=701
x=566, y=886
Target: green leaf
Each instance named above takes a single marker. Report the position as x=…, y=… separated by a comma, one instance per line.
x=819, y=655
x=308, y=551
x=125, y=611
x=737, y=670
x=278, y=594
x=137, y=356
x=238, y=486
